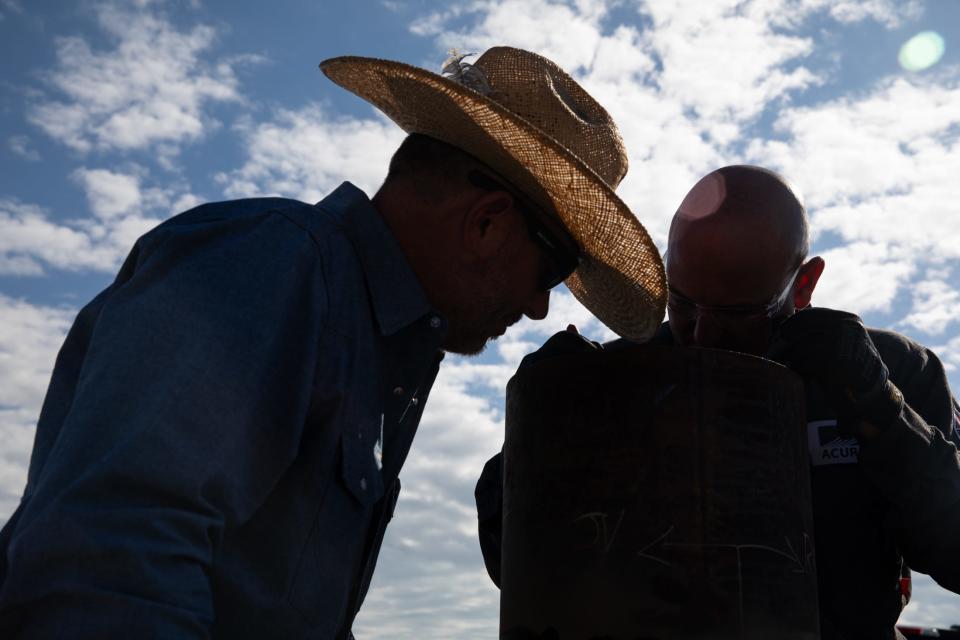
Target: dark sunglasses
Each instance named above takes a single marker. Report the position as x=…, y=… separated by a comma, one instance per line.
x=555, y=244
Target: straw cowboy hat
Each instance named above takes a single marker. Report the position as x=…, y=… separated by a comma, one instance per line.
x=525, y=118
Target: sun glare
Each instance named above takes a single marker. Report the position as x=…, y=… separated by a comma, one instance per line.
x=922, y=51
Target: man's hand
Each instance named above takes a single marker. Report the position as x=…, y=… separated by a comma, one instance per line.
x=561, y=343
x=833, y=348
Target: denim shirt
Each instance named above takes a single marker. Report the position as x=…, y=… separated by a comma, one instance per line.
x=217, y=454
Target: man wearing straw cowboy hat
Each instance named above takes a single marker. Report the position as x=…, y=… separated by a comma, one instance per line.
x=218, y=450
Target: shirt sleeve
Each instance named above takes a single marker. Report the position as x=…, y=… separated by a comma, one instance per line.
x=489, y=496
x=915, y=465
x=189, y=401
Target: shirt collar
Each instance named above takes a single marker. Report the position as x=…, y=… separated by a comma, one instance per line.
x=395, y=292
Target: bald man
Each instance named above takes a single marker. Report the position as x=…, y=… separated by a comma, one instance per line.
x=736, y=258
x=739, y=273
x=881, y=418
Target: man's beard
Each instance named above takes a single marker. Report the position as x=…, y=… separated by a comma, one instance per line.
x=485, y=315
x=465, y=344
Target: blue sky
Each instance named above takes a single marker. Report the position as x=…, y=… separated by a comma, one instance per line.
x=117, y=114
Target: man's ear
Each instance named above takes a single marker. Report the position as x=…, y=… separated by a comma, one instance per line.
x=806, y=282
x=488, y=224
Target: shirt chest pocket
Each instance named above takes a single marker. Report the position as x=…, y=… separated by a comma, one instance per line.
x=333, y=561
x=362, y=461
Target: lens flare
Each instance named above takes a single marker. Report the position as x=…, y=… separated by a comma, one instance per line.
x=922, y=51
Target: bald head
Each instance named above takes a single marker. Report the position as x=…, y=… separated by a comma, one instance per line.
x=744, y=213
x=738, y=238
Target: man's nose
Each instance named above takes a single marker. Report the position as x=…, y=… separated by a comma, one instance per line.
x=537, y=306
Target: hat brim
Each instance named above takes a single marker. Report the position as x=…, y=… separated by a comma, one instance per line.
x=621, y=277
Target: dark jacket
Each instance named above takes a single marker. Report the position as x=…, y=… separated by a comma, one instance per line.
x=878, y=507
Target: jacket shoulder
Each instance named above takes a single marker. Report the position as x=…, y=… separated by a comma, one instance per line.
x=901, y=353
x=919, y=374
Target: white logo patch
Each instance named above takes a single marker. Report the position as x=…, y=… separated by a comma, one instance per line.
x=827, y=446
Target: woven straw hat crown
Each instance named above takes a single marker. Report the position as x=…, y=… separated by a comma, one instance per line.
x=542, y=93
x=523, y=116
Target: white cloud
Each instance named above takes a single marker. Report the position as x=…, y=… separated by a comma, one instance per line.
x=936, y=304
x=8, y=7
x=16, y=434
x=431, y=566
x=711, y=58
x=862, y=277
x=304, y=154
x=186, y=202
x=125, y=205
x=887, y=142
x=445, y=601
x=930, y=605
x=150, y=88
x=29, y=339
x=888, y=12
x=20, y=145
x=433, y=24
x=949, y=354
x=32, y=240
x=723, y=62
x=116, y=199
x=109, y=194
x=567, y=33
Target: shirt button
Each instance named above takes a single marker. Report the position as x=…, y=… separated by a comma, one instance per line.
x=398, y=391
x=363, y=484
x=435, y=322
x=414, y=401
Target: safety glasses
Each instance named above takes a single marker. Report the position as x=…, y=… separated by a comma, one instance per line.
x=682, y=306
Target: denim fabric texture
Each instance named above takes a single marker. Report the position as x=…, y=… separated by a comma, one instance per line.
x=218, y=451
